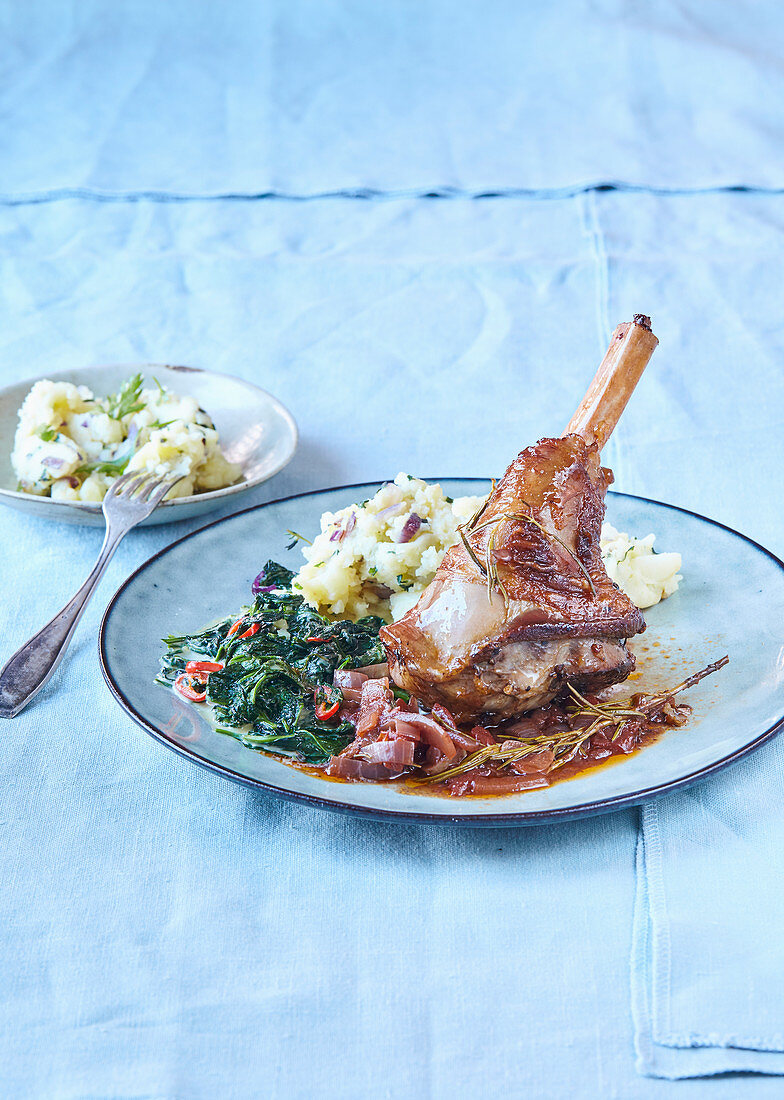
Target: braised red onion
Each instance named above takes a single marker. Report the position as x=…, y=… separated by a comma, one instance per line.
x=410, y=528
x=374, y=672
x=433, y=734
x=349, y=767
x=340, y=532
x=348, y=678
x=376, y=698
x=398, y=753
x=537, y=762
x=494, y=784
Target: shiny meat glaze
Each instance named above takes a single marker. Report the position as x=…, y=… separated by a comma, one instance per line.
x=479, y=654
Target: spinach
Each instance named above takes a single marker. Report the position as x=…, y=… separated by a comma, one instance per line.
x=265, y=693
x=273, y=575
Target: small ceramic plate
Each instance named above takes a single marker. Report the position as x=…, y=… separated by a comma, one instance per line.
x=255, y=431
x=731, y=600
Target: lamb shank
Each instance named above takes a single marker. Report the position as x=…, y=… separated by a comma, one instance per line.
x=523, y=604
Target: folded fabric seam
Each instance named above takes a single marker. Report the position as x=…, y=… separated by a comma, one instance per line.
x=651, y=864
x=371, y=194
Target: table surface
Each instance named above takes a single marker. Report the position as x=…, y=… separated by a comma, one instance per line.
x=393, y=222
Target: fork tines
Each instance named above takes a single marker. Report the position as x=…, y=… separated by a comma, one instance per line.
x=140, y=486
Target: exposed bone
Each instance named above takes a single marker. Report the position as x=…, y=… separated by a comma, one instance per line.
x=523, y=605
x=630, y=350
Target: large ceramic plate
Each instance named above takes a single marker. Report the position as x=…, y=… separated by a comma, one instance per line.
x=731, y=601
x=255, y=431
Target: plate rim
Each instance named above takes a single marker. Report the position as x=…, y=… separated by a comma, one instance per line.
x=94, y=508
x=516, y=818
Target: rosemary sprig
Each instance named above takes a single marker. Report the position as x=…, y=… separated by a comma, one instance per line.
x=489, y=567
x=606, y=713
x=563, y=746
x=470, y=551
x=548, y=534
x=469, y=526
x=653, y=701
x=471, y=523
x=566, y=745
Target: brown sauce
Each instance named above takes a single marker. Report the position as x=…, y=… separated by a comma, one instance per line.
x=565, y=739
x=600, y=750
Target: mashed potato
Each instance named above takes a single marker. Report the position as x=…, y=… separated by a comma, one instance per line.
x=645, y=576
x=71, y=445
x=360, y=565
x=377, y=557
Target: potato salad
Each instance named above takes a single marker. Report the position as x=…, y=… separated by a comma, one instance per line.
x=71, y=445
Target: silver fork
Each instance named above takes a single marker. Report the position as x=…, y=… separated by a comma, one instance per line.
x=130, y=499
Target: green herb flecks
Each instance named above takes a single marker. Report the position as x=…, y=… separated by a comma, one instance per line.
x=295, y=538
x=113, y=466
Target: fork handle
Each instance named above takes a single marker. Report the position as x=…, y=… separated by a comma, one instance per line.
x=27, y=671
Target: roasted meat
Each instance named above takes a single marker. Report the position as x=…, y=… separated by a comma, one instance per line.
x=523, y=605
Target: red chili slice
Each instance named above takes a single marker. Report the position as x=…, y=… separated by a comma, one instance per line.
x=327, y=702
x=203, y=666
x=234, y=628
x=254, y=629
x=315, y=638
x=184, y=684
x=324, y=713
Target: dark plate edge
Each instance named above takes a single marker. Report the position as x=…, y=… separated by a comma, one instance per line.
x=499, y=820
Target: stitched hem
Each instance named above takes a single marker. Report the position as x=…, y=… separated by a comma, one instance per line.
x=640, y=964
x=661, y=953
x=662, y=1052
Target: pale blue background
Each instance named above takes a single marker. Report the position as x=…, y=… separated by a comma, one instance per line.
x=165, y=934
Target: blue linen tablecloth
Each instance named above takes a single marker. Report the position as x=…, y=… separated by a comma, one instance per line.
x=166, y=934
x=192, y=97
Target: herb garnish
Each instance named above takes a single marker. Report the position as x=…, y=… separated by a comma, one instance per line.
x=566, y=744
x=295, y=538
x=489, y=568
x=127, y=399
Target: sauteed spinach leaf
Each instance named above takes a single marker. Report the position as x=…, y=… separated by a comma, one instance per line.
x=274, y=690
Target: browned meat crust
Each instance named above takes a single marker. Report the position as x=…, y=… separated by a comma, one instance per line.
x=561, y=618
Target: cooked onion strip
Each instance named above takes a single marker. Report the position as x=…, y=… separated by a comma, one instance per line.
x=565, y=745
